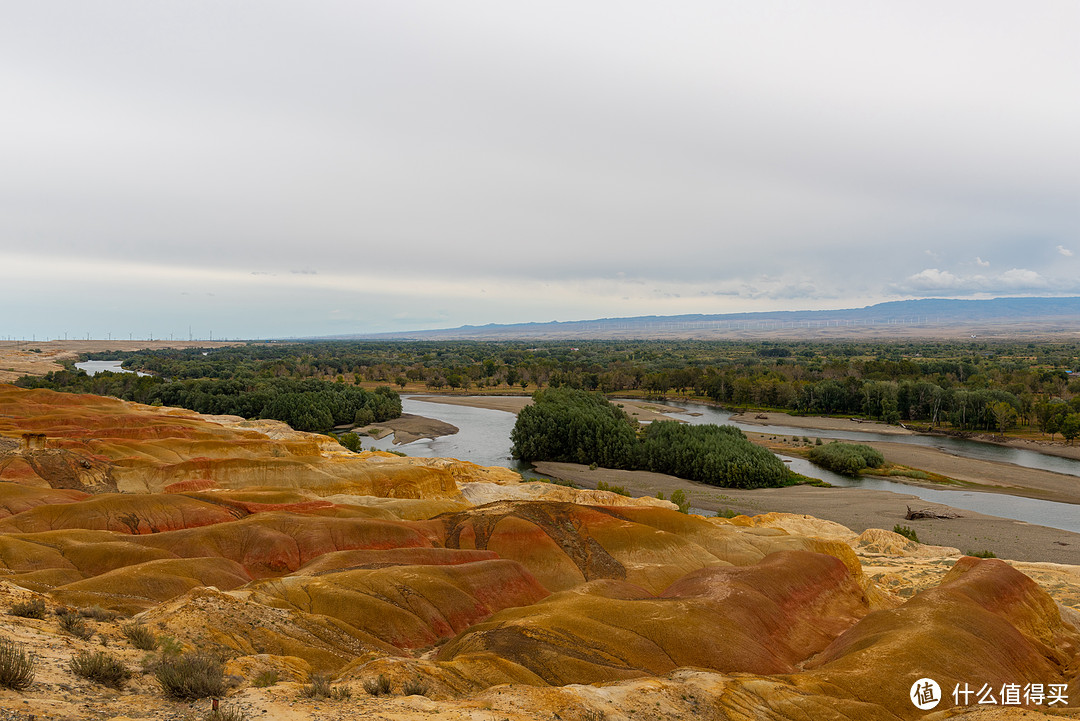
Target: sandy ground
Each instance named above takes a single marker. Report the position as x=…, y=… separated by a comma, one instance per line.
x=640, y=410
x=856, y=508
x=17, y=358
x=409, y=428
x=817, y=422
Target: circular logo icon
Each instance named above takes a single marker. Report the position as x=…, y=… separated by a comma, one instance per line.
x=925, y=694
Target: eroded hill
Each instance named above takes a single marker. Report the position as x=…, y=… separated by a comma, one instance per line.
x=285, y=556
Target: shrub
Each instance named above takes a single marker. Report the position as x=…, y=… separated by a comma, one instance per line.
x=981, y=554
x=266, y=678
x=226, y=713
x=350, y=441
x=98, y=613
x=74, y=624
x=169, y=646
x=621, y=490
x=16, y=666
x=726, y=513
x=29, y=609
x=846, y=458
x=907, y=532
x=414, y=687
x=678, y=497
x=377, y=686
x=100, y=667
x=139, y=636
x=190, y=677
x=320, y=688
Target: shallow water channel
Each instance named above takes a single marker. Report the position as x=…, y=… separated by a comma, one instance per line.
x=484, y=438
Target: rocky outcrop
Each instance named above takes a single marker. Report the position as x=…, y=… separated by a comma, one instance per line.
x=281, y=551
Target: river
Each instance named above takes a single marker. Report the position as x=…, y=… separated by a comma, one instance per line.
x=484, y=438
x=92, y=368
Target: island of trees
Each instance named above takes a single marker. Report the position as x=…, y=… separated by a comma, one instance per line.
x=570, y=425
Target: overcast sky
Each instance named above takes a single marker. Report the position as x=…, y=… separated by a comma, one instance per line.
x=268, y=168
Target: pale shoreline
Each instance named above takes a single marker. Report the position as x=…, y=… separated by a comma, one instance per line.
x=856, y=508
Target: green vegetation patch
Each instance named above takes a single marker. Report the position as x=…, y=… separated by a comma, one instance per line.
x=574, y=426
x=846, y=458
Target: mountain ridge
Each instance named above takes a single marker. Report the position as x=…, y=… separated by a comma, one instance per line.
x=926, y=316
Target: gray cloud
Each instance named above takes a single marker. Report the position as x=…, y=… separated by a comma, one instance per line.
x=571, y=160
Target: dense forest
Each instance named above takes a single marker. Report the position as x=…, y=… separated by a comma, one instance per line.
x=308, y=404
x=974, y=386
x=570, y=425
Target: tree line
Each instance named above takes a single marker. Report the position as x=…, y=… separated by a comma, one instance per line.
x=308, y=404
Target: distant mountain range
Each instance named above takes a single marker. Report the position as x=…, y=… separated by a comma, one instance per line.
x=937, y=318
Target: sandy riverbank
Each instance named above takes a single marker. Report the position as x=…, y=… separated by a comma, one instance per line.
x=408, y=428
x=856, y=508
x=822, y=423
x=639, y=410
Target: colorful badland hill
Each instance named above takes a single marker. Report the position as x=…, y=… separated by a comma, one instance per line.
x=287, y=556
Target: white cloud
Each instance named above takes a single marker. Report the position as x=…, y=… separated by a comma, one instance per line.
x=1014, y=280
x=982, y=263
x=934, y=279
x=1021, y=278
x=1064, y=251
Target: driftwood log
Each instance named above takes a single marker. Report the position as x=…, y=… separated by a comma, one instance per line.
x=928, y=513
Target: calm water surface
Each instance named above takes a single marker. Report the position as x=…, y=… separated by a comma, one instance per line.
x=484, y=438
x=92, y=368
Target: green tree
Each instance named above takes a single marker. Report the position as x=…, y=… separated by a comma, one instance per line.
x=1070, y=426
x=1004, y=416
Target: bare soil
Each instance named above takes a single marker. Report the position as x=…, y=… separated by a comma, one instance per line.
x=409, y=428
x=856, y=508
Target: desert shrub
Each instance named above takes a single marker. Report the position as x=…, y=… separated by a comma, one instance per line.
x=319, y=687
x=16, y=666
x=73, y=623
x=907, y=532
x=846, y=458
x=226, y=713
x=98, y=613
x=414, y=687
x=139, y=636
x=169, y=646
x=679, y=498
x=726, y=513
x=377, y=686
x=266, y=678
x=190, y=676
x=29, y=609
x=621, y=490
x=981, y=554
x=100, y=667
